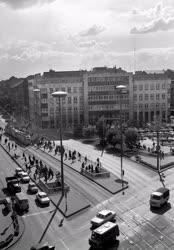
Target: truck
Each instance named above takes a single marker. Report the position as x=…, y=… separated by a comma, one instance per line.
x=104, y=235
x=13, y=184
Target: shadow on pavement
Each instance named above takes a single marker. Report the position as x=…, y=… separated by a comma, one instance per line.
x=161, y=210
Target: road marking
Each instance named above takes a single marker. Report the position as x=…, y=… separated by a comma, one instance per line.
x=63, y=243
x=38, y=213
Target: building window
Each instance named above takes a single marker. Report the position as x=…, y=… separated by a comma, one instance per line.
x=163, y=86
x=63, y=88
x=69, y=89
x=140, y=106
x=157, y=96
x=69, y=100
x=163, y=96
x=158, y=86
x=146, y=106
x=135, y=87
x=140, y=97
x=151, y=96
x=75, y=100
x=152, y=87
x=146, y=97
x=75, y=89
x=146, y=86
x=140, y=87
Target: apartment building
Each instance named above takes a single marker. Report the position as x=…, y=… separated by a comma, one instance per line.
x=103, y=95
x=151, y=97
x=46, y=108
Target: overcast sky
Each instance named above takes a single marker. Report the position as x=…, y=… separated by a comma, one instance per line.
x=38, y=35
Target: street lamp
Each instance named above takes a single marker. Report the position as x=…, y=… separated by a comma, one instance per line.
x=122, y=90
x=60, y=95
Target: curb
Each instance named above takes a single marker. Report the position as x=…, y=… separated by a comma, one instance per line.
x=126, y=186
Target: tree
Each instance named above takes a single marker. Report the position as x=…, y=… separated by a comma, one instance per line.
x=100, y=128
x=113, y=136
x=131, y=137
x=88, y=131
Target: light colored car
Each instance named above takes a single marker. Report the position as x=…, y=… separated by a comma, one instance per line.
x=42, y=198
x=102, y=217
x=24, y=177
x=18, y=171
x=32, y=188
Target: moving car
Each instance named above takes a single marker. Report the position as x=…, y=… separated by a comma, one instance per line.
x=22, y=202
x=13, y=184
x=159, y=197
x=32, y=188
x=24, y=177
x=42, y=198
x=102, y=217
x=104, y=235
x=18, y=171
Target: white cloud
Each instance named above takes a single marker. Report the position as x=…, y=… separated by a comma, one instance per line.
x=20, y=4
x=92, y=31
x=156, y=25
x=159, y=18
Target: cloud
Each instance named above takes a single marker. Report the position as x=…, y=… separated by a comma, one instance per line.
x=156, y=25
x=92, y=31
x=87, y=44
x=20, y=4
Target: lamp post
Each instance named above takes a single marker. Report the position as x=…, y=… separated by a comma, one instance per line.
x=36, y=91
x=122, y=90
x=60, y=95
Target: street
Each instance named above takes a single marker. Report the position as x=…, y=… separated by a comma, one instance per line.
x=140, y=228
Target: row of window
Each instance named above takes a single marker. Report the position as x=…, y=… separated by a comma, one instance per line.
x=151, y=86
x=106, y=107
x=108, y=79
x=106, y=97
x=66, y=89
x=102, y=88
x=147, y=105
x=149, y=97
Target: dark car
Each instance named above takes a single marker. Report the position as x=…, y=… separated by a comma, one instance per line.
x=32, y=188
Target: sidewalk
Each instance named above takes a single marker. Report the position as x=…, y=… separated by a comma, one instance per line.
x=112, y=183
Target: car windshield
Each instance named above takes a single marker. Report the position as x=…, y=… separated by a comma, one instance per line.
x=156, y=197
x=43, y=195
x=101, y=216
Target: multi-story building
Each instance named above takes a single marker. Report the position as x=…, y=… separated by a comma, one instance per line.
x=151, y=97
x=103, y=95
x=46, y=107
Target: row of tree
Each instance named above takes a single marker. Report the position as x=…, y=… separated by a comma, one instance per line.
x=110, y=134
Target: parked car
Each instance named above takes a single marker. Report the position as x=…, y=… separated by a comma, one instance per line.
x=24, y=177
x=18, y=171
x=42, y=198
x=32, y=188
x=102, y=217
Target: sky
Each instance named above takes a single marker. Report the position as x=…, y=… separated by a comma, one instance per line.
x=38, y=35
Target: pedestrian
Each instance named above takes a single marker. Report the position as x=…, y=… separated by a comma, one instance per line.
x=50, y=173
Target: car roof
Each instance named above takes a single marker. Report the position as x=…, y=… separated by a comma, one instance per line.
x=41, y=193
x=157, y=193
x=105, y=227
x=104, y=212
x=162, y=190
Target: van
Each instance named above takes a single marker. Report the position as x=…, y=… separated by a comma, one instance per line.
x=21, y=202
x=104, y=235
x=159, y=197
